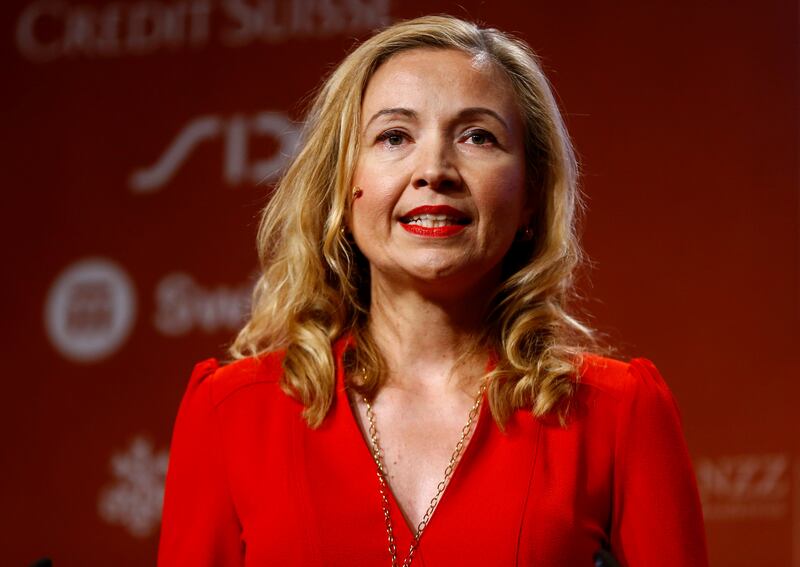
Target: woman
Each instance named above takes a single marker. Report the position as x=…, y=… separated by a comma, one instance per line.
x=411, y=320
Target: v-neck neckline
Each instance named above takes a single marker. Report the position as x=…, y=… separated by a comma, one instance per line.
x=360, y=437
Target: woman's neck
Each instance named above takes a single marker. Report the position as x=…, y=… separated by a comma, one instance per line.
x=428, y=344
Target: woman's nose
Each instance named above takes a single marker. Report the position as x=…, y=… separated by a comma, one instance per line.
x=436, y=168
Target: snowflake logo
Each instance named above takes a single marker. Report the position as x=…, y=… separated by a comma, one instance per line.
x=135, y=498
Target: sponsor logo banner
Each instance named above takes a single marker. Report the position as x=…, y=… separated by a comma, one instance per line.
x=750, y=486
x=236, y=134
x=135, y=497
x=50, y=30
x=90, y=310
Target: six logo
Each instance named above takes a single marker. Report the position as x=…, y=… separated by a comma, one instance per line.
x=90, y=310
x=236, y=133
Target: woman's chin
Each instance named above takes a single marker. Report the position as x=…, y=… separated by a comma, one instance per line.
x=446, y=278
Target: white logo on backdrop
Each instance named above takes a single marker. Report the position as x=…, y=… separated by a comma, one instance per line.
x=744, y=486
x=272, y=21
x=183, y=306
x=135, y=498
x=90, y=310
x=48, y=30
x=236, y=133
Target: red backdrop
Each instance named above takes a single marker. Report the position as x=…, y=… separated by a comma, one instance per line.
x=139, y=140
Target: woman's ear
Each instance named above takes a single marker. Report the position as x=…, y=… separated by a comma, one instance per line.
x=347, y=225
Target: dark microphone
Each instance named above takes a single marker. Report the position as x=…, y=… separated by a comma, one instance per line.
x=603, y=558
x=43, y=562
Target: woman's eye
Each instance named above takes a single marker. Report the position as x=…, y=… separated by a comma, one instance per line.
x=480, y=137
x=392, y=138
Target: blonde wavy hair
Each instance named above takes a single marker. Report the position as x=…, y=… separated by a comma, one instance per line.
x=314, y=285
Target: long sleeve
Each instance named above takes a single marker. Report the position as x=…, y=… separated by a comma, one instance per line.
x=199, y=523
x=657, y=518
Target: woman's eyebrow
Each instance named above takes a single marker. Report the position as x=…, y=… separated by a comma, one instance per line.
x=462, y=114
x=407, y=112
x=480, y=110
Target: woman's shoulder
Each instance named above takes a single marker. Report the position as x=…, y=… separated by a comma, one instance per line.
x=633, y=391
x=621, y=379
x=222, y=380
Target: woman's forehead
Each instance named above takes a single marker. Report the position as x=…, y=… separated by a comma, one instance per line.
x=440, y=81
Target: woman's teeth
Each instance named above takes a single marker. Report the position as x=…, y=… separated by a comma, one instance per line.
x=434, y=221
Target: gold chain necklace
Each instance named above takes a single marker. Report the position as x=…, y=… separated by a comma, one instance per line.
x=377, y=455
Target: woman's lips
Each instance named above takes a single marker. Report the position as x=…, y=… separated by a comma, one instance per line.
x=436, y=221
x=434, y=232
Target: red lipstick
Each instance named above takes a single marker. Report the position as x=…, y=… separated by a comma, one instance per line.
x=434, y=221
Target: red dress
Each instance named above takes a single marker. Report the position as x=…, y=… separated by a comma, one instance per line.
x=250, y=484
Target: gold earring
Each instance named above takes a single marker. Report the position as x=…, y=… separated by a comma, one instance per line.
x=525, y=234
x=357, y=192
